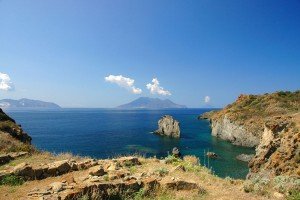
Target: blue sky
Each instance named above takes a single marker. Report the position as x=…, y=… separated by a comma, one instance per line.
x=61, y=51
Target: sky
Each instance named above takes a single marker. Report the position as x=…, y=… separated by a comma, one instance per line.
x=95, y=53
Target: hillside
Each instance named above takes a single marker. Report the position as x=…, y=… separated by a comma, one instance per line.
x=269, y=122
x=26, y=103
x=11, y=133
x=150, y=103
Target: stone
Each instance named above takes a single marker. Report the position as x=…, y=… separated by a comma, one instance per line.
x=41, y=172
x=62, y=166
x=38, y=192
x=211, y=155
x=57, y=186
x=5, y=158
x=176, y=153
x=167, y=126
x=278, y=195
x=129, y=161
x=97, y=171
x=25, y=171
x=245, y=157
x=95, y=179
x=179, y=185
x=179, y=168
x=85, y=164
x=149, y=184
x=113, y=167
x=15, y=155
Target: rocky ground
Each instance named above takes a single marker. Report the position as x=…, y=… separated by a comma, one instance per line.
x=122, y=178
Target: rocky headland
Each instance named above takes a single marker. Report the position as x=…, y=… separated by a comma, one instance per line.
x=271, y=124
x=168, y=126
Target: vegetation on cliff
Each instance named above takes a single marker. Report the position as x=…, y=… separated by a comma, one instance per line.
x=12, y=136
x=252, y=111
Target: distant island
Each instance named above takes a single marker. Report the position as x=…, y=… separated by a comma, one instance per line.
x=26, y=103
x=150, y=103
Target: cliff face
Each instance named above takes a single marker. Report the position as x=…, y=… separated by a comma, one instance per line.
x=243, y=121
x=269, y=122
x=234, y=133
x=279, y=150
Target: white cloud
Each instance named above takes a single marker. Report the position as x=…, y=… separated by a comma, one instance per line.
x=207, y=99
x=5, y=83
x=124, y=82
x=156, y=89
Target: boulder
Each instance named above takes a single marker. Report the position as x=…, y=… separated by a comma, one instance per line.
x=57, y=186
x=85, y=164
x=96, y=171
x=245, y=157
x=167, y=126
x=25, y=171
x=179, y=168
x=5, y=158
x=179, y=185
x=128, y=161
x=176, y=153
x=211, y=155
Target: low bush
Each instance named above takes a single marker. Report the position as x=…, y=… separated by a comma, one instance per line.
x=11, y=180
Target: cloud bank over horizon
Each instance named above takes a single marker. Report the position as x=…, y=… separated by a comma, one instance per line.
x=5, y=82
x=156, y=89
x=124, y=82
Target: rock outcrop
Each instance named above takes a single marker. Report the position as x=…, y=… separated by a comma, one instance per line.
x=104, y=183
x=168, y=126
x=279, y=150
x=5, y=158
x=225, y=129
x=270, y=122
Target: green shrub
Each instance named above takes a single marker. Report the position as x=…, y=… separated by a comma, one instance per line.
x=12, y=180
x=172, y=160
x=162, y=171
x=294, y=195
x=286, y=184
x=139, y=195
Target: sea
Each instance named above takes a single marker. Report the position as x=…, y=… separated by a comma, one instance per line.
x=107, y=133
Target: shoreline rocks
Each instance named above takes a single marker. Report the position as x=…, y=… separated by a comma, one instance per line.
x=168, y=126
x=245, y=157
x=212, y=155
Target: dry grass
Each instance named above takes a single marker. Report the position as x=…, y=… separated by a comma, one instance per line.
x=40, y=158
x=192, y=160
x=10, y=144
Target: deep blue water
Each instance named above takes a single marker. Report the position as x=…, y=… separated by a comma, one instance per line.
x=103, y=133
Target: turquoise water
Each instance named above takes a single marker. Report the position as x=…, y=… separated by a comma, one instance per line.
x=103, y=133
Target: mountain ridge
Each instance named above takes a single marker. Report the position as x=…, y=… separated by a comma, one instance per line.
x=26, y=103
x=150, y=103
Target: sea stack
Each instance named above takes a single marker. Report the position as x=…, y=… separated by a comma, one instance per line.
x=168, y=126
